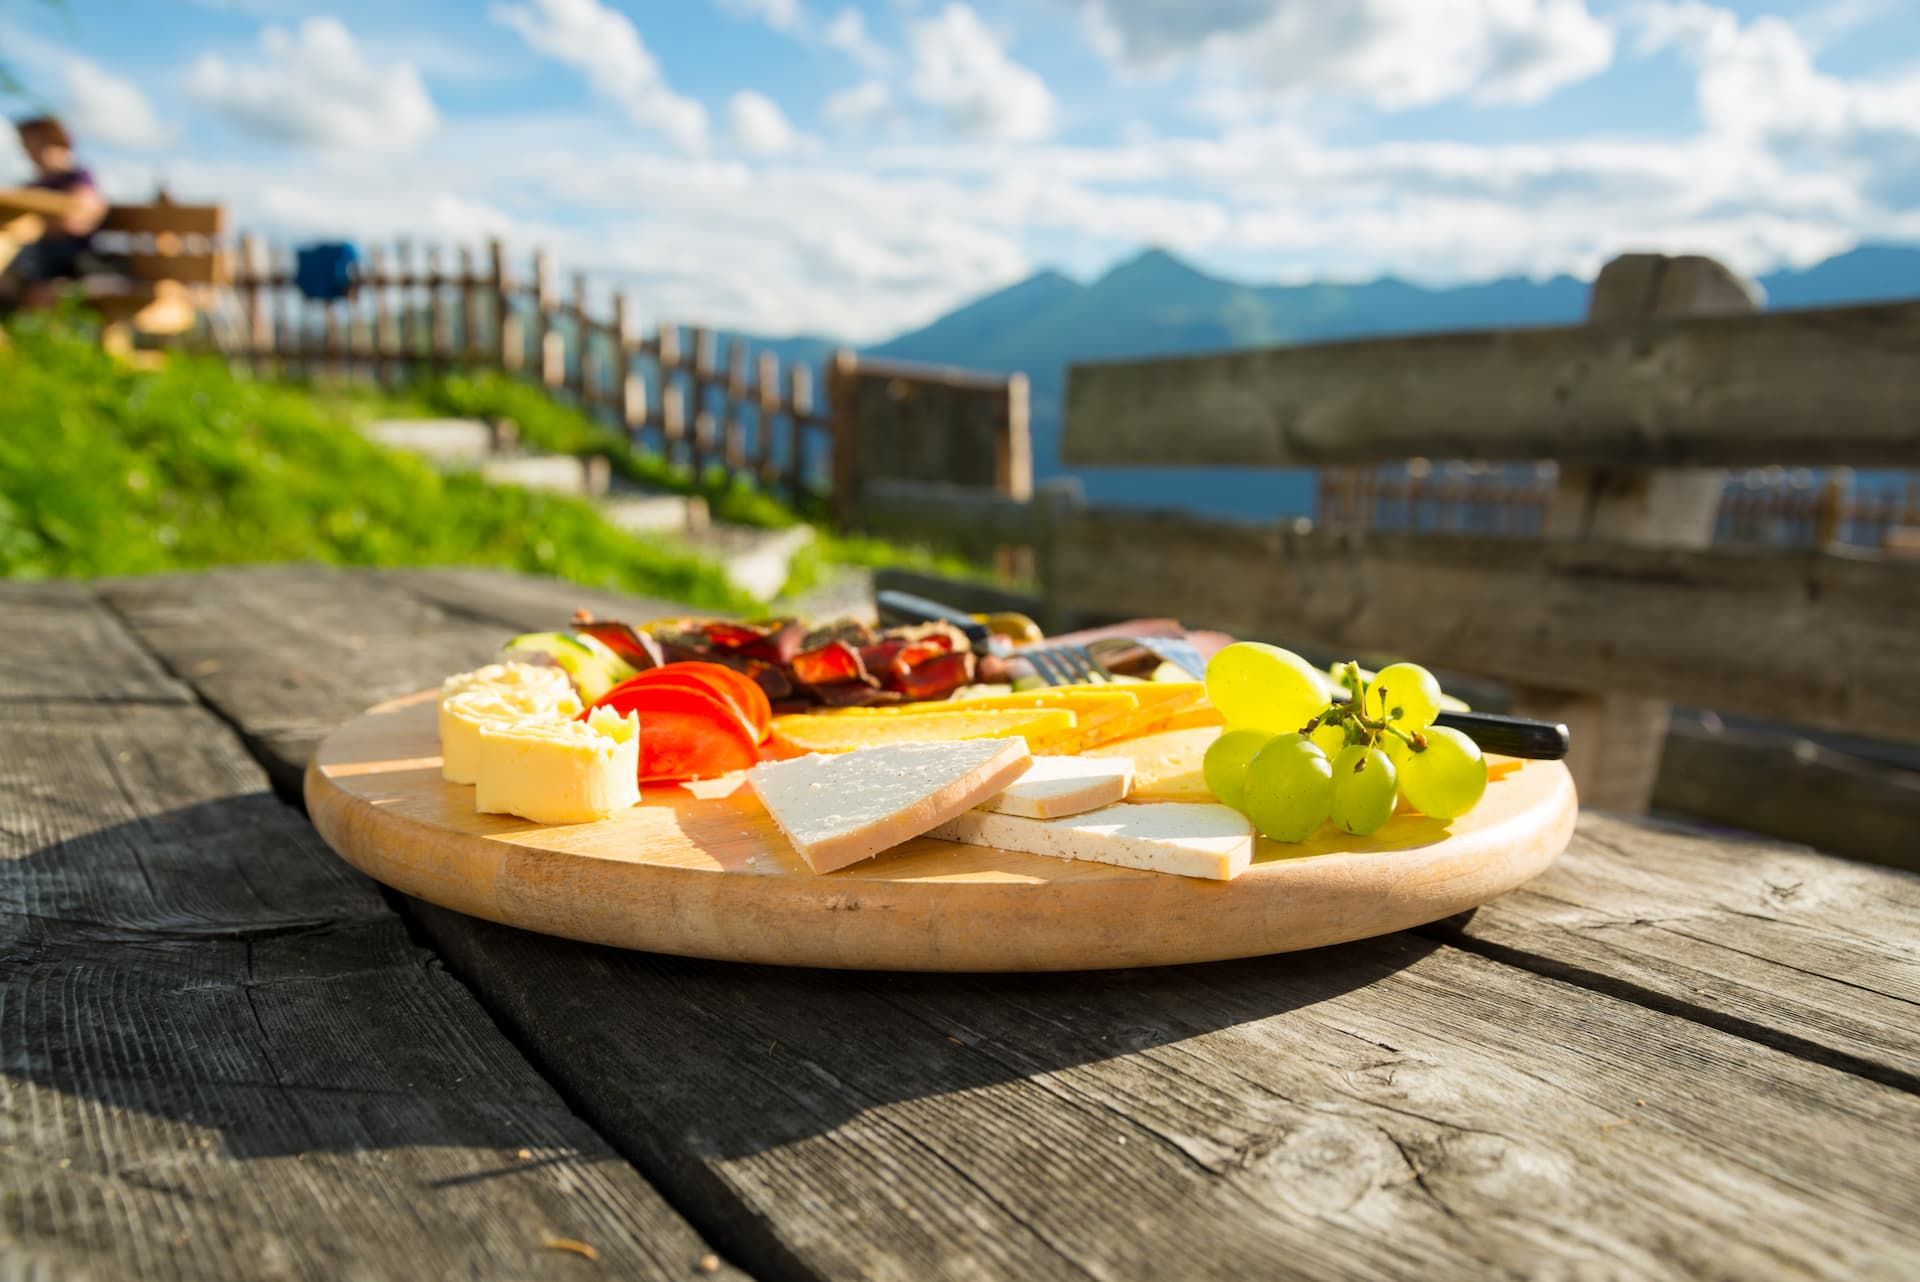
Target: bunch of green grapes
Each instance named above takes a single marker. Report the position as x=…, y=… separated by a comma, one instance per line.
x=1291, y=758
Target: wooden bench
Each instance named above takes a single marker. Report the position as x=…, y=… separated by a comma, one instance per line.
x=172, y=259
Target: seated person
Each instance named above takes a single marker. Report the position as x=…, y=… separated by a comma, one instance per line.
x=62, y=251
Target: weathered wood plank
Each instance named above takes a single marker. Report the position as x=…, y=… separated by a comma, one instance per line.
x=1741, y=630
x=1827, y=386
x=282, y=651
x=1387, y=1109
x=522, y=602
x=1793, y=789
x=1794, y=948
x=221, y=1056
x=61, y=646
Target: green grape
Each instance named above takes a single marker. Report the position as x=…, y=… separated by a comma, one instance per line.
x=1289, y=788
x=1330, y=739
x=1446, y=780
x=1262, y=687
x=1408, y=687
x=1225, y=765
x=1363, y=790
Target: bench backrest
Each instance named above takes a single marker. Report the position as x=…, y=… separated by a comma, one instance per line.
x=167, y=241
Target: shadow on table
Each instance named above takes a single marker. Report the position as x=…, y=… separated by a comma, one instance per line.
x=727, y=1060
x=217, y=966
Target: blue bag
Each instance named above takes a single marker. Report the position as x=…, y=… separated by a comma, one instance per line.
x=326, y=272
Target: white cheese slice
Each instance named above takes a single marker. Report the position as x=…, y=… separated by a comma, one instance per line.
x=840, y=808
x=560, y=771
x=1186, y=838
x=463, y=714
x=532, y=678
x=1056, y=786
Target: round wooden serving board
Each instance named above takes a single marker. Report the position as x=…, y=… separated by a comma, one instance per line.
x=710, y=876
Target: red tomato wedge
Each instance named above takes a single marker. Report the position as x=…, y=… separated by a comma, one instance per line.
x=735, y=689
x=685, y=732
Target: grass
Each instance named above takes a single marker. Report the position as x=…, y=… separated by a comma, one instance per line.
x=107, y=471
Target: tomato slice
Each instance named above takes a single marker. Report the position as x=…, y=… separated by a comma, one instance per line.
x=685, y=732
x=736, y=689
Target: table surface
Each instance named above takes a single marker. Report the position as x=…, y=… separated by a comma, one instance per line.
x=224, y=1054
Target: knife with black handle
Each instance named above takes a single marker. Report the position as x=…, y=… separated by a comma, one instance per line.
x=1522, y=737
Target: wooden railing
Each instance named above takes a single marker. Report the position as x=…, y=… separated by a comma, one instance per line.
x=1618, y=603
x=673, y=391
x=1773, y=507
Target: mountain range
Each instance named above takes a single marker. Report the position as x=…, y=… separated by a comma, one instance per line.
x=1157, y=304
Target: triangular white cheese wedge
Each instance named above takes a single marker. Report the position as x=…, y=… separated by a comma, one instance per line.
x=1056, y=786
x=1190, y=839
x=840, y=808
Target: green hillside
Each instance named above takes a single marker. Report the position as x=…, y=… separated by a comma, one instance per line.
x=107, y=471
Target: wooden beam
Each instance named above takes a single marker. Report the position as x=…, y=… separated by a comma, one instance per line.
x=1820, y=638
x=1834, y=385
x=1617, y=737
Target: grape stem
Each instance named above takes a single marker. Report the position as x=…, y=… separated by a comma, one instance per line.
x=1348, y=713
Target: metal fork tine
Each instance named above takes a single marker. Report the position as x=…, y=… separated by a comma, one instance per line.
x=1042, y=662
x=1085, y=666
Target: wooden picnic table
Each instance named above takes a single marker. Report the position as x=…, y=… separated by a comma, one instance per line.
x=225, y=1054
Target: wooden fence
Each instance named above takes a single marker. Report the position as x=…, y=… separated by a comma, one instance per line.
x=673, y=391
x=1618, y=604
x=1774, y=506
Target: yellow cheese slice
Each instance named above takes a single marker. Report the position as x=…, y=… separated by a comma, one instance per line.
x=560, y=772
x=807, y=733
x=465, y=713
x=1094, y=707
x=1166, y=765
x=1160, y=702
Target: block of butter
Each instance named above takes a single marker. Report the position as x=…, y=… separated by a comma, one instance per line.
x=463, y=714
x=560, y=771
x=532, y=678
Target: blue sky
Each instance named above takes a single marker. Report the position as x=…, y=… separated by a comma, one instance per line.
x=855, y=167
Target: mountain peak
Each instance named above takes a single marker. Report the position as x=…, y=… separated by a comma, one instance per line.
x=1152, y=265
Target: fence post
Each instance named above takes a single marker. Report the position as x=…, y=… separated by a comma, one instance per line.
x=1829, y=508
x=632, y=388
x=673, y=406
x=508, y=345
x=1617, y=738
x=843, y=374
x=583, y=328
x=439, y=317
x=257, y=292
x=799, y=415
x=471, y=346
x=767, y=390
x=734, y=417
x=697, y=385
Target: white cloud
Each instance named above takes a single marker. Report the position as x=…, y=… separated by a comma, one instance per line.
x=1389, y=54
x=603, y=45
x=847, y=32
x=1758, y=80
x=861, y=106
x=758, y=125
x=781, y=15
x=314, y=85
x=961, y=69
x=100, y=105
